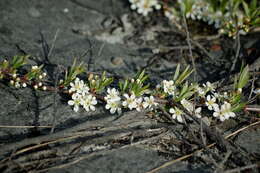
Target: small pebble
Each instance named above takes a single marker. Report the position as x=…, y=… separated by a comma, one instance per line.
x=117, y=61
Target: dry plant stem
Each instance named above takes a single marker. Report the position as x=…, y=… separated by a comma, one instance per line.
x=190, y=51
x=28, y=127
x=200, y=150
x=53, y=42
x=238, y=47
x=256, y=165
x=206, y=37
x=197, y=44
x=252, y=87
x=252, y=108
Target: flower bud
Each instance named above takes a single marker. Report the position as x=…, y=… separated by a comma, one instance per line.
x=90, y=76
x=34, y=67
x=11, y=82
x=14, y=75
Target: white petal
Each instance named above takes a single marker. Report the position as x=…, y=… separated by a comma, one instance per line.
x=172, y=111
x=232, y=114
x=94, y=102
x=76, y=108
x=124, y=103
x=107, y=106
x=92, y=108
x=179, y=118
x=215, y=114
x=112, y=110
x=145, y=105
x=222, y=118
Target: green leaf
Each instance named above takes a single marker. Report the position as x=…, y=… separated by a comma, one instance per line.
x=238, y=107
x=244, y=77
x=184, y=88
x=235, y=82
x=125, y=85
x=246, y=8
x=177, y=72
x=184, y=75
x=253, y=4
x=18, y=61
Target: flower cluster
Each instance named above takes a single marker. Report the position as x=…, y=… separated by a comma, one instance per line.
x=144, y=6
x=224, y=112
x=81, y=96
x=113, y=100
x=136, y=94
x=131, y=102
x=213, y=101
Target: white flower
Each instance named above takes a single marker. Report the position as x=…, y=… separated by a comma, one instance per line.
x=149, y=103
x=76, y=100
x=139, y=102
x=211, y=103
x=114, y=106
x=190, y=107
x=198, y=112
x=79, y=87
x=113, y=95
x=209, y=86
x=144, y=6
x=201, y=92
x=225, y=112
x=168, y=87
x=187, y=105
x=88, y=102
x=17, y=85
x=130, y=101
x=217, y=95
x=176, y=114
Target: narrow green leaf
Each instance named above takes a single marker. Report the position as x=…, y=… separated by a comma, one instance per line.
x=244, y=77
x=177, y=72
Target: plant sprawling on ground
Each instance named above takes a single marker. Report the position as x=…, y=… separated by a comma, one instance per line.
x=175, y=96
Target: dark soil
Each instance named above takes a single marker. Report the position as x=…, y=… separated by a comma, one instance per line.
x=106, y=35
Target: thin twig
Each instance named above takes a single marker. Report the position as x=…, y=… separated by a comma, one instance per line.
x=53, y=43
x=190, y=51
x=238, y=47
x=4, y=126
x=252, y=87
